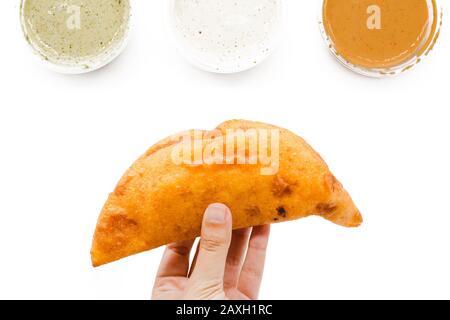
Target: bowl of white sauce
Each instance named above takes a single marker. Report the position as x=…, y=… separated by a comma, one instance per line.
x=225, y=36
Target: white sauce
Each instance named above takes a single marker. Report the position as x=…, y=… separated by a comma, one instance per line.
x=226, y=36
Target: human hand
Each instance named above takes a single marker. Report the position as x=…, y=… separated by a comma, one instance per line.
x=227, y=264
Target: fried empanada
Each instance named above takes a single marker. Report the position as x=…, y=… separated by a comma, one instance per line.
x=162, y=197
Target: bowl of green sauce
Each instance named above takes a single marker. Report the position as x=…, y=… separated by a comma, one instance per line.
x=76, y=36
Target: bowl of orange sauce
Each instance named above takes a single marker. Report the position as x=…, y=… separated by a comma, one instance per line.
x=380, y=38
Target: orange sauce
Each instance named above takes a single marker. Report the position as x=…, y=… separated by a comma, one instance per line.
x=379, y=34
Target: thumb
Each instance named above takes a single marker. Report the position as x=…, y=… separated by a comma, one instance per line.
x=213, y=250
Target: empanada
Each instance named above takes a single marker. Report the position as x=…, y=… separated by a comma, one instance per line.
x=162, y=197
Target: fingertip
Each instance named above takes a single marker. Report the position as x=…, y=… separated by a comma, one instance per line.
x=181, y=248
x=217, y=223
x=175, y=260
x=260, y=237
x=217, y=213
x=262, y=230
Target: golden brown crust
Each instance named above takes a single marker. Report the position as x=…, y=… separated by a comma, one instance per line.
x=158, y=202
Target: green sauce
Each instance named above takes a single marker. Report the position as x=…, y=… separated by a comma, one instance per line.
x=75, y=32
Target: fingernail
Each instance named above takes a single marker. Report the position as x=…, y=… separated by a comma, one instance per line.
x=216, y=213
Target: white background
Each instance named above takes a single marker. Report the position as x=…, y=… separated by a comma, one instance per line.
x=66, y=140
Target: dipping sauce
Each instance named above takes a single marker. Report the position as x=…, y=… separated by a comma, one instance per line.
x=76, y=34
x=226, y=36
x=380, y=34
